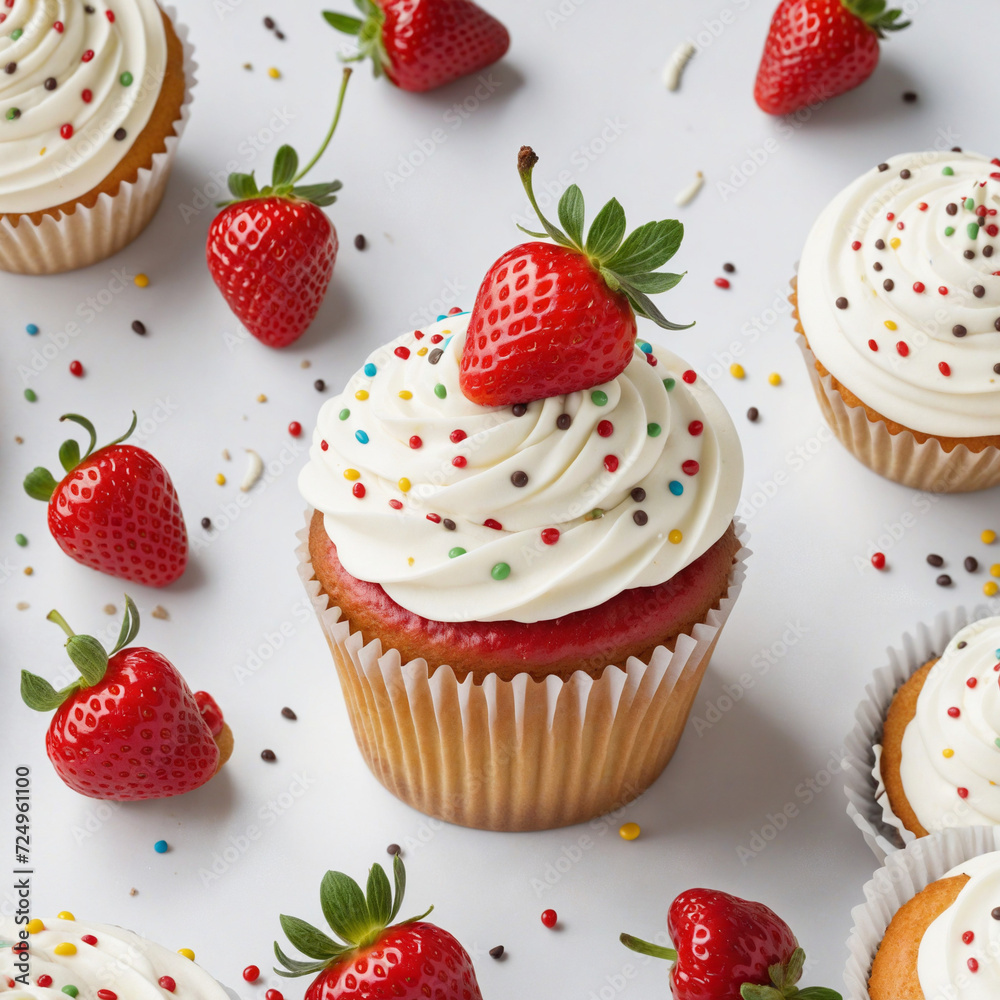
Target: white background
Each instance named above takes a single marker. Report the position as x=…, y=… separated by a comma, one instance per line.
x=584, y=88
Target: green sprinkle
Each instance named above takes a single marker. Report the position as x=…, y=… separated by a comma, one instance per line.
x=997, y=742
x=30, y=395
x=456, y=552
x=13, y=113
x=653, y=430
x=344, y=414
x=973, y=230
x=948, y=172
x=16, y=34
x=970, y=204
x=21, y=539
x=596, y=514
x=599, y=397
x=71, y=991
x=440, y=391
x=126, y=79
x=949, y=230
x=500, y=572
x=669, y=383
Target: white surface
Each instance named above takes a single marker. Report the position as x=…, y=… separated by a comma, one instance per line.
x=564, y=84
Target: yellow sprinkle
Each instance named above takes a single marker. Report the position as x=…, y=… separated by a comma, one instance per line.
x=141, y=280
x=736, y=371
x=629, y=831
x=405, y=394
x=34, y=926
x=445, y=332
x=65, y=948
x=774, y=378
x=995, y=569
x=28, y=571
x=352, y=474
x=274, y=73
x=404, y=485
x=988, y=537
x=421, y=352
x=948, y=753
x=65, y=915
x=361, y=394
x=220, y=479
x=890, y=325
x=43, y=150
x=410, y=560
x=186, y=952
x=676, y=536
x=894, y=242
x=990, y=589
x=262, y=398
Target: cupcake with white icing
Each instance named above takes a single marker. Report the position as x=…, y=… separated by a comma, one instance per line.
x=61, y=957
x=93, y=98
x=898, y=303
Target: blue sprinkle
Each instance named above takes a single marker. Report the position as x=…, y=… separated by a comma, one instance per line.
x=447, y=341
x=442, y=316
x=676, y=488
x=361, y=436
x=32, y=329
x=646, y=348
x=160, y=847
x=370, y=369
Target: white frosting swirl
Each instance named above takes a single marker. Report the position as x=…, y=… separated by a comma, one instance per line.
x=651, y=433
x=952, y=966
x=945, y=384
x=950, y=765
x=120, y=961
x=39, y=168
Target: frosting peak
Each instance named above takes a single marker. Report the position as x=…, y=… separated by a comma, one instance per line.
x=470, y=513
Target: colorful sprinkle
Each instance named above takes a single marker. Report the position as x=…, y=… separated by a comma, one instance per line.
x=891, y=325
x=460, y=461
x=71, y=991
x=949, y=230
x=65, y=948
x=611, y=463
x=550, y=536
x=774, y=378
x=186, y=953
x=371, y=370
x=669, y=383
x=457, y=436
x=963, y=793
x=361, y=436
x=167, y=983
x=251, y=973
x=721, y=282
x=404, y=485
x=274, y=73
x=676, y=488
x=690, y=377
x=344, y=414
x=126, y=79
x=690, y=467
x=599, y=397
x=141, y=281
x=358, y=489
x=675, y=537
x=351, y=474
x=954, y=712
x=405, y=394
x=30, y=395
x=361, y=395
x=653, y=430
x=629, y=831
x=440, y=391
x=605, y=428
x=919, y=287
x=400, y=352
x=988, y=537
x=456, y=552
x=549, y=918
x=416, y=442
x=895, y=241
x=990, y=589
x=86, y=96
x=500, y=571
x=948, y=754
x=902, y=348
x=160, y=847
x=878, y=560
x=695, y=428
x=948, y=172
x=737, y=371
x=944, y=368
x=66, y=131
x=21, y=540
x=396, y=504
x=34, y=926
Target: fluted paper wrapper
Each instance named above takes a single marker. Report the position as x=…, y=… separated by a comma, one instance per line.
x=899, y=457
x=867, y=802
x=88, y=235
x=520, y=754
x=906, y=873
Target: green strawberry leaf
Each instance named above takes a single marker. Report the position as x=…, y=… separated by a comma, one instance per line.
x=310, y=192
x=647, y=948
x=343, y=22
x=39, y=484
x=309, y=940
x=243, y=186
x=130, y=625
x=571, y=214
x=654, y=282
x=751, y=991
x=89, y=657
x=817, y=993
x=345, y=907
x=39, y=694
x=399, y=878
x=293, y=967
x=87, y=426
x=379, y=896
x=644, y=306
x=286, y=164
x=607, y=231
x=69, y=454
x=793, y=970
x=648, y=247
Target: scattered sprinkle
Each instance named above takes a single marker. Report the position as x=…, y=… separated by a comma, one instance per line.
x=686, y=196
x=990, y=588
x=988, y=537
x=910, y=96
x=186, y=953
x=360, y=242
x=287, y=713
x=753, y=414
x=268, y=755
x=251, y=974
x=629, y=831
x=160, y=612
x=737, y=371
x=30, y=395
x=220, y=479
x=75, y=368
x=274, y=73
x=161, y=847
x=141, y=281
x=30, y=571
x=774, y=378
x=550, y=918
x=23, y=605
x=139, y=327
x=943, y=580
x=497, y=952
x=32, y=329
x=110, y=609
x=295, y=429
x=878, y=560
x=21, y=540
x=674, y=69
x=255, y=469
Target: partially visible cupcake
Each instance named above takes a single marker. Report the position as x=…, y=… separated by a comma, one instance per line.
x=940, y=761
x=61, y=956
x=898, y=305
x=93, y=99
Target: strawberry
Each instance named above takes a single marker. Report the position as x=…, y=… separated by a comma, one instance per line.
x=729, y=947
x=129, y=728
x=422, y=44
x=817, y=49
x=554, y=318
x=116, y=509
x=272, y=250
x=409, y=960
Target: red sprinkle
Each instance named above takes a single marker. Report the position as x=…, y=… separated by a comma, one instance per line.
x=416, y=442
x=492, y=523
x=900, y=225
x=981, y=211
x=878, y=560
x=650, y=360
x=58, y=25
x=167, y=983
x=457, y=436
x=460, y=461
x=690, y=467
x=902, y=348
x=323, y=445
x=919, y=287
x=358, y=489
x=992, y=229
x=75, y=368
x=689, y=376
x=943, y=289
x=107, y=995
x=890, y=216
x=419, y=334
x=454, y=311
x=89, y=939
x=396, y=504
x=402, y=352
x=973, y=965
x=721, y=282
x=88, y=96
x=436, y=518
x=110, y=15
x=550, y=536
x=695, y=428
x=294, y=428
x=549, y=918
x=44, y=981
x=66, y=131
x=922, y=206
x=611, y=463
x=856, y=245
x=971, y=682
x=944, y=368
x=274, y=995
x=963, y=793
x=968, y=937
x=605, y=428
x=954, y=712
x=251, y=973
x=436, y=338
x=873, y=345
x=87, y=56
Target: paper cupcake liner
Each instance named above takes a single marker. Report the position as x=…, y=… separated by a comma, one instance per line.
x=906, y=873
x=88, y=235
x=899, y=457
x=520, y=754
x=867, y=802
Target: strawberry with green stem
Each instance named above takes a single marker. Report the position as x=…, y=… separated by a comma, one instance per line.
x=375, y=957
x=271, y=250
x=554, y=318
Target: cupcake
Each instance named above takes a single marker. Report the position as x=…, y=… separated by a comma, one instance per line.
x=898, y=308
x=58, y=957
x=92, y=102
x=521, y=597
x=943, y=941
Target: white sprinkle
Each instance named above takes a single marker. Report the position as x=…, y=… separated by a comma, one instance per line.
x=675, y=67
x=255, y=469
x=690, y=192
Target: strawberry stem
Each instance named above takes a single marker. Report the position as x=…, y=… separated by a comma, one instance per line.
x=333, y=127
x=648, y=948
x=54, y=616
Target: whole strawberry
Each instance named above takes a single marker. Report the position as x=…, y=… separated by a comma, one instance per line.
x=115, y=510
x=272, y=250
x=375, y=958
x=729, y=947
x=555, y=318
x=817, y=49
x=129, y=728
x=422, y=44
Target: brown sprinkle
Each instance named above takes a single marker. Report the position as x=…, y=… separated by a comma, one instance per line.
x=268, y=755
x=394, y=849
x=289, y=714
